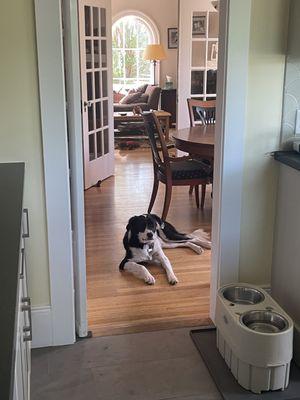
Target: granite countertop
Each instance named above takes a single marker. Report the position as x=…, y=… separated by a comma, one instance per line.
x=290, y=158
x=11, y=203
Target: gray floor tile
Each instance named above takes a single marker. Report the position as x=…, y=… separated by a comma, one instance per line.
x=155, y=380
x=162, y=365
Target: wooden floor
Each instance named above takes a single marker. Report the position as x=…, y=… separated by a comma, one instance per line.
x=118, y=303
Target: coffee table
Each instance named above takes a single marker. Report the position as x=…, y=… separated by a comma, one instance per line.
x=163, y=117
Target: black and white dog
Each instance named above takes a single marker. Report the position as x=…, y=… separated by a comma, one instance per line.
x=146, y=236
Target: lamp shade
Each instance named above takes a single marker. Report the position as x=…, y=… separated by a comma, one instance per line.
x=154, y=52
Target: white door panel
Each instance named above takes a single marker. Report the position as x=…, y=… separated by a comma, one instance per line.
x=197, y=54
x=96, y=90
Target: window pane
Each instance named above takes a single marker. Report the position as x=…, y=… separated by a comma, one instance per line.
x=91, y=117
x=199, y=25
x=143, y=36
x=96, y=21
x=87, y=18
x=211, y=85
x=99, y=144
x=144, y=67
x=103, y=22
x=98, y=115
x=92, y=146
x=212, y=55
x=118, y=64
x=213, y=25
x=88, y=53
x=197, y=82
x=104, y=84
x=103, y=54
x=130, y=64
x=117, y=35
x=105, y=112
x=89, y=84
x=130, y=33
x=106, y=141
x=97, y=85
x=96, y=54
x=198, y=54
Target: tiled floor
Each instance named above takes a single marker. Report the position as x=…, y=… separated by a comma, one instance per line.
x=144, y=366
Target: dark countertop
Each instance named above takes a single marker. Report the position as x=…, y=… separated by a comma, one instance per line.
x=290, y=158
x=11, y=200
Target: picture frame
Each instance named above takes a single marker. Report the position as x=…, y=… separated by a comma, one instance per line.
x=172, y=38
x=199, y=26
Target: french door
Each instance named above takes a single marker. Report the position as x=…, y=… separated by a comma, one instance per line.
x=96, y=90
x=197, y=55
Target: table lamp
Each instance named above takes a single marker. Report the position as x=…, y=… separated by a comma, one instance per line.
x=154, y=53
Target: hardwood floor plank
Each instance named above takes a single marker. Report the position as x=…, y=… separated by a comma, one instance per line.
x=118, y=303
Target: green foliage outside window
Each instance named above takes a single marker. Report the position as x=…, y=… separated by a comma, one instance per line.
x=130, y=36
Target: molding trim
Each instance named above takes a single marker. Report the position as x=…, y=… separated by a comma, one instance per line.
x=48, y=18
x=42, y=332
x=229, y=143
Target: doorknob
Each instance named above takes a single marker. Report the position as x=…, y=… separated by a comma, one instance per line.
x=86, y=104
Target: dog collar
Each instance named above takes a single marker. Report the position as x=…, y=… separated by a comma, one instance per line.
x=150, y=248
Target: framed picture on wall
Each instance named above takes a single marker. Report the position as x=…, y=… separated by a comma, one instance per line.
x=172, y=38
x=199, y=25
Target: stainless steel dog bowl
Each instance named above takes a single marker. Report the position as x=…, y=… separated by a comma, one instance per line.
x=264, y=321
x=243, y=295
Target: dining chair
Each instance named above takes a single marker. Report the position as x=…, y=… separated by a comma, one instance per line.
x=203, y=113
x=173, y=171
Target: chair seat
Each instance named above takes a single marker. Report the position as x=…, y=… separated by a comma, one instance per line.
x=189, y=169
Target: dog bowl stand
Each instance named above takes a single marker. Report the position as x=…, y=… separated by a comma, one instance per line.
x=255, y=337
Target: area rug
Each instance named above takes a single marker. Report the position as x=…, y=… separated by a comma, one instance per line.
x=205, y=341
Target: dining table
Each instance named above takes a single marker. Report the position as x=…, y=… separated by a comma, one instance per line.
x=197, y=140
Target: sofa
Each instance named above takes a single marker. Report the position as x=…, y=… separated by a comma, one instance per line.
x=146, y=96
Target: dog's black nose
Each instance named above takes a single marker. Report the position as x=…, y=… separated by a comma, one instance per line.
x=149, y=235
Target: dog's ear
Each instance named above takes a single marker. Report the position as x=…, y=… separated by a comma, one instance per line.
x=131, y=222
x=155, y=218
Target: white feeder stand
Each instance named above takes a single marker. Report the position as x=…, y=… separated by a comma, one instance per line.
x=254, y=336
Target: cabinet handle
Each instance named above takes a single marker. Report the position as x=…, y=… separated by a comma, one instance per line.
x=26, y=234
x=22, y=263
x=27, y=329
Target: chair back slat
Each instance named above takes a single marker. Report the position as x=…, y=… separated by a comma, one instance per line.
x=201, y=111
x=154, y=133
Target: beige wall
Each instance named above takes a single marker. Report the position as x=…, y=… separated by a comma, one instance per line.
x=20, y=131
x=268, y=37
x=164, y=14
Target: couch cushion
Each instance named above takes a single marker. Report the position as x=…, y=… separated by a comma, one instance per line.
x=131, y=98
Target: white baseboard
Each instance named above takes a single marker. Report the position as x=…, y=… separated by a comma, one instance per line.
x=42, y=327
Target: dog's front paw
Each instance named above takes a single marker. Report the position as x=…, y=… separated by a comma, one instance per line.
x=172, y=280
x=150, y=280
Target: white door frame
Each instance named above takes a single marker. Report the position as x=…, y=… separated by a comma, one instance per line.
x=229, y=153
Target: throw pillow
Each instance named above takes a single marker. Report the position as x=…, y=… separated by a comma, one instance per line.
x=130, y=98
x=142, y=88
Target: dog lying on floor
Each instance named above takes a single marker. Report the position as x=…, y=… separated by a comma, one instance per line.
x=145, y=238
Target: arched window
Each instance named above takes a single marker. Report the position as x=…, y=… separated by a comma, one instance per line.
x=130, y=36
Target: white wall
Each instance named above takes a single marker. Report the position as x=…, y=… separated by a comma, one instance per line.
x=164, y=14
x=20, y=132
x=268, y=38
x=291, y=101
